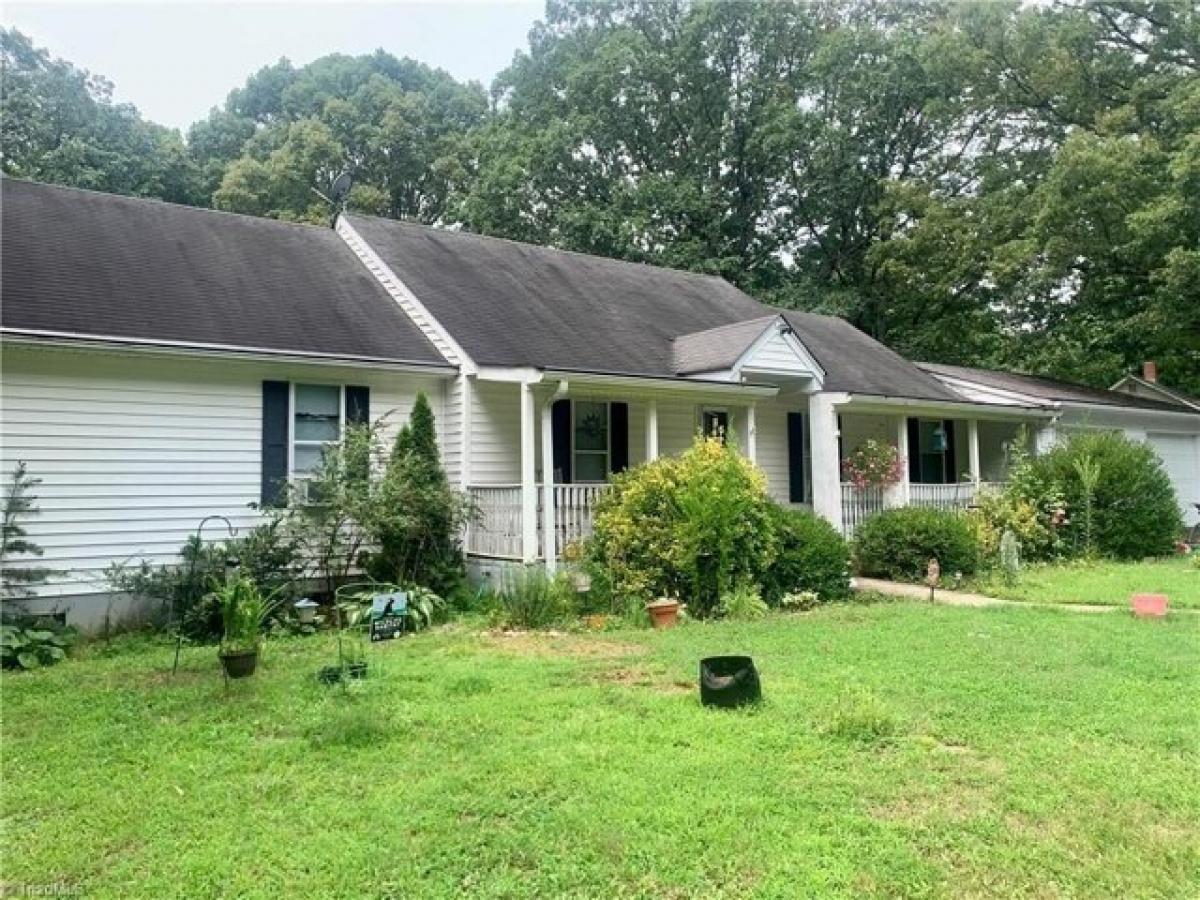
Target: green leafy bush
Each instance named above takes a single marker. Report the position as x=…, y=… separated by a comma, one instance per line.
x=810, y=556
x=416, y=516
x=898, y=543
x=997, y=512
x=530, y=598
x=744, y=603
x=33, y=644
x=695, y=526
x=1131, y=510
x=268, y=556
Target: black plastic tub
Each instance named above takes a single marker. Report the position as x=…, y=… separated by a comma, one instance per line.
x=729, y=681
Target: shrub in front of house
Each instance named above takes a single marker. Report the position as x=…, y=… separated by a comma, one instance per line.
x=415, y=518
x=1128, y=511
x=529, y=597
x=898, y=544
x=694, y=526
x=267, y=555
x=810, y=556
x=996, y=512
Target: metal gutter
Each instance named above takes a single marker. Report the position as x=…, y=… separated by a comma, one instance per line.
x=73, y=341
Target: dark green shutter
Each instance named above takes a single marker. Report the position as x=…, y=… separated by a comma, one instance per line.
x=795, y=446
x=358, y=405
x=950, y=460
x=560, y=415
x=914, y=450
x=274, y=442
x=618, y=420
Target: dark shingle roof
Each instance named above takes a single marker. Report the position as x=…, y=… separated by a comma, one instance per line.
x=858, y=364
x=101, y=265
x=1046, y=388
x=517, y=304
x=716, y=349
x=513, y=304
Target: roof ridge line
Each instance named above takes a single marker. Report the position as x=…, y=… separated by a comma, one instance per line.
x=507, y=240
x=158, y=201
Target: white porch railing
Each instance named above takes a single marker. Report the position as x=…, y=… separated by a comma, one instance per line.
x=859, y=504
x=496, y=530
x=574, y=507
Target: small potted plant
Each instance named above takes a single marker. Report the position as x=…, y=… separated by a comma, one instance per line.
x=664, y=612
x=243, y=611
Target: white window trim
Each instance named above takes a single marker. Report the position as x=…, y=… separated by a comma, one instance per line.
x=607, y=438
x=293, y=476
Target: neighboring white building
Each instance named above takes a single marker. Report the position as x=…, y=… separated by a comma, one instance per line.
x=163, y=364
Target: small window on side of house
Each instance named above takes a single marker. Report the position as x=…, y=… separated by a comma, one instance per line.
x=317, y=418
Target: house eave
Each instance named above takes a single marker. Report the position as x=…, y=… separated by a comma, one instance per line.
x=884, y=402
x=663, y=383
x=1132, y=411
x=116, y=343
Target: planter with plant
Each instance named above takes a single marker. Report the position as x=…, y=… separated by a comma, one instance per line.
x=874, y=465
x=664, y=612
x=243, y=612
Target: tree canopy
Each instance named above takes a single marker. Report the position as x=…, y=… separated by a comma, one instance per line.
x=983, y=183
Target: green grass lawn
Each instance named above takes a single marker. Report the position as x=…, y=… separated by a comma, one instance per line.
x=903, y=750
x=1105, y=583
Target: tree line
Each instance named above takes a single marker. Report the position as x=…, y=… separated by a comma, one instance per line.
x=984, y=183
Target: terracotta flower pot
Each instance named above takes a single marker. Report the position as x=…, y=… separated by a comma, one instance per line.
x=1149, y=606
x=664, y=613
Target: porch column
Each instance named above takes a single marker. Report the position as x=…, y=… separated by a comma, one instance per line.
x=826, y=467
x=973, y=450
x=529, y=530
x=901, y=491
x=651, y=429
x=548, y=536
x=751, y=434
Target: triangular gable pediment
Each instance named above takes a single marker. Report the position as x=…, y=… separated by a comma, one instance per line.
x=765, y=348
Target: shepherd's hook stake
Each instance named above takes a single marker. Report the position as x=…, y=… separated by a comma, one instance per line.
x=191, y=575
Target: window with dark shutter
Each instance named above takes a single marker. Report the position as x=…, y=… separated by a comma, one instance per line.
x=618, y=419
x=795, y=446
x=274, y=443
x=560, y=415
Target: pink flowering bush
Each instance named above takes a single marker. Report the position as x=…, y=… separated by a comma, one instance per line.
x=874, y=464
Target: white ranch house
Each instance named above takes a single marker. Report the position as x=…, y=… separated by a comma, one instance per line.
x=162, y=364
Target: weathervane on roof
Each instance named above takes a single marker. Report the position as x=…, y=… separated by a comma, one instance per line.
x=338, y=191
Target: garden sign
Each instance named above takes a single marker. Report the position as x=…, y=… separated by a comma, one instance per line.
x=389, y=614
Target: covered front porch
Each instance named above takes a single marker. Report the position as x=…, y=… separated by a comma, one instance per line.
x=593, y=427
x=589, y=428
x=951, y=452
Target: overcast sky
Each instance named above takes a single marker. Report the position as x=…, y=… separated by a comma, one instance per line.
x=175, y=61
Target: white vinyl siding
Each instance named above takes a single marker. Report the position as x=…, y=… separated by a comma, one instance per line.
x=133, y=451
x=771, y=419
x=495, y=443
